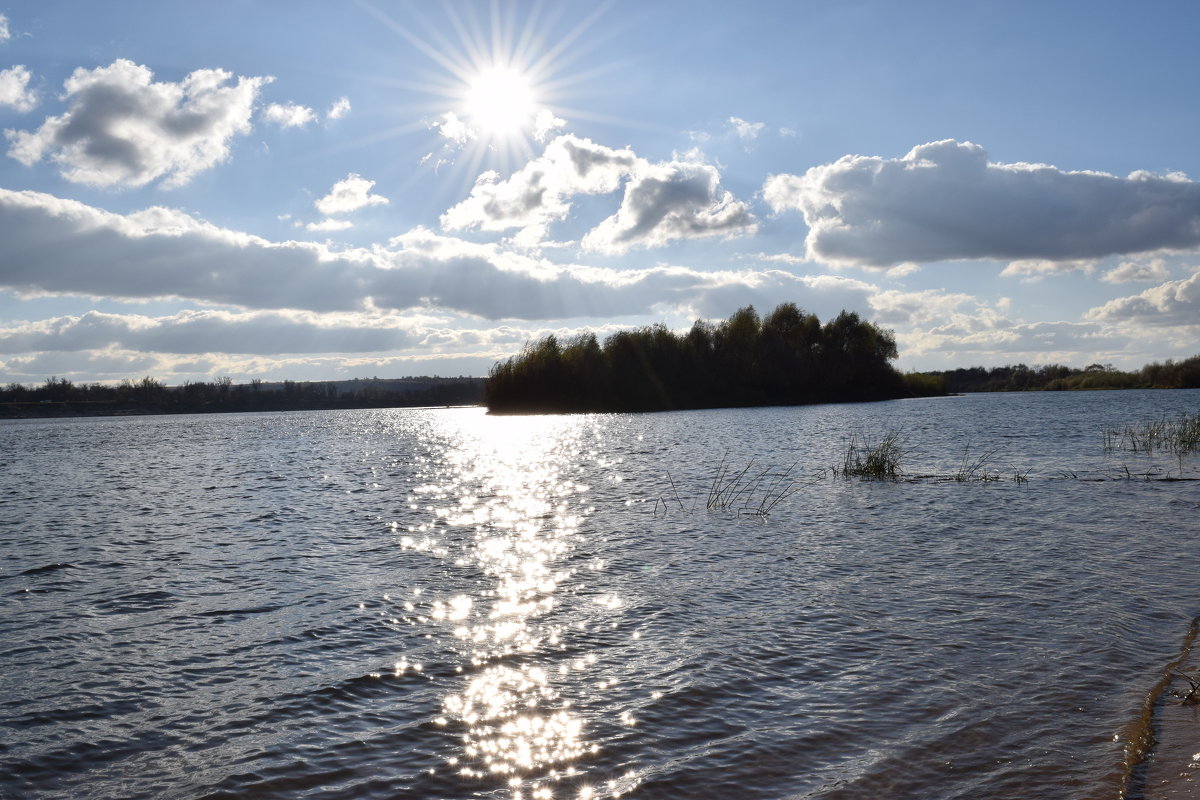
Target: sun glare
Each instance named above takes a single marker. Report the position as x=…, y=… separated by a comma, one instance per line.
x=500, y=102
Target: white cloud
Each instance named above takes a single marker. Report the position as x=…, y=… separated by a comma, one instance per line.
x=1035, y=269
x=920, y=307
x=1154, y=269
x=58, y=246
x=289, y=115
x=945, y=200
x=781, y=258
x=124, y=129
x=213, y=331
x=339, y=109
x=546, y=123
x=1169, y=303
x=1012, y=342
x=453, y=129
x=903, y=270
x=665, y=202
x=539, y=193
x=746, y=131
x=662, y=202
x=349, y=194
x=14, y=89
x=329, y=225
x=5, y=33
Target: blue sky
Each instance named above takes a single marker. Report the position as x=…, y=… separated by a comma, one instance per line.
x=309, y=190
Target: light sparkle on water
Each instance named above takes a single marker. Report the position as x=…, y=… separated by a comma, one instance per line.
x=505, y=485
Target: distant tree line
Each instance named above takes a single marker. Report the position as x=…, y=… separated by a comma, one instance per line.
x=787, y=357
x=1056, y=377
x=60, y=397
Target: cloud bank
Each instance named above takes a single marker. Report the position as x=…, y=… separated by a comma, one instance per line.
x=54, y=245
x=946, y=200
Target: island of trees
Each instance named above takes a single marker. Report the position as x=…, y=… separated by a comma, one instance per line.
x=785, y=358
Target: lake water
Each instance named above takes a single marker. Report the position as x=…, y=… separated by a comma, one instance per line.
x=442, y=604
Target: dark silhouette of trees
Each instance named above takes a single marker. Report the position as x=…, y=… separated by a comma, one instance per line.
x=60, y=397
x=785, y=358
x=1056, y=377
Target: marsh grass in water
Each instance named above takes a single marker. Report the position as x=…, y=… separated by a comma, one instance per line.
x=751, y=491
x=1180, y=436
x=864, y=458
x=754, y=490
x=978, y=468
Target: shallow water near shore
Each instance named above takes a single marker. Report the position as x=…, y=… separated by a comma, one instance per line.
x=439, y=603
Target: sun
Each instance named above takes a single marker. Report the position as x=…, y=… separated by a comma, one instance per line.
x=500, y=102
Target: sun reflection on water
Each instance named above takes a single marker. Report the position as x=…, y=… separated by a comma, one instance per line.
x=506, y=488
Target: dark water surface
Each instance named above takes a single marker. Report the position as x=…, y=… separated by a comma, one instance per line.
x=437, y=603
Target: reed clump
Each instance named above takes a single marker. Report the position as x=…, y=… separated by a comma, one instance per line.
x=977, y=468
x=750, y=491
x=1180, y=436
x=869, y=460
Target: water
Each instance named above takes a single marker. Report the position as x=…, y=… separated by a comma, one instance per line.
x=437, y=603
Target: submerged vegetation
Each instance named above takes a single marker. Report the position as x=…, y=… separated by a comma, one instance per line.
x=866, y=459
x=752, y=491
x=1179, y=436
x=785, y=358
x=755, y=490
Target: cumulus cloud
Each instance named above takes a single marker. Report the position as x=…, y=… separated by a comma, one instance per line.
x=539, y=193
x=946, y=200
x=453, y=129
x=349, y=194
x=14, y=89
x=122, y=128
x=545, y=123
x=329, y=225
x=1169, y=303
x=665, y=202
x=746, y=131
x=5, y=33
x=1154, y=269
x=662, y=202
x=339, y=109
x=289, y=115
